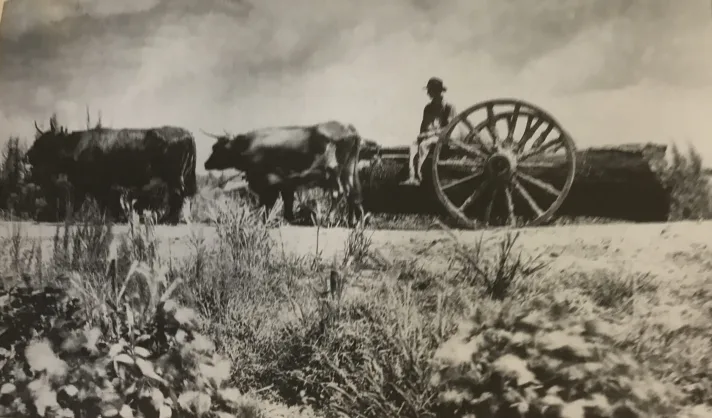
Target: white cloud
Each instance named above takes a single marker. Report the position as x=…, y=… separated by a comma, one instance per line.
x=25, y=15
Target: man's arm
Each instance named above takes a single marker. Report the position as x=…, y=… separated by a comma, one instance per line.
x=460, y=130
x=452, y=113
x=424, y=122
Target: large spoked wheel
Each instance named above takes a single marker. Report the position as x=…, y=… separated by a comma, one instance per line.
x=503, y=162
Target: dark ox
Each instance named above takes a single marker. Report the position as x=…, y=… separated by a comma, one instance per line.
x=279, y=160
x=99, y=161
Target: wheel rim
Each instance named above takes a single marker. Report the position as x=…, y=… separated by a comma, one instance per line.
x=516, y=176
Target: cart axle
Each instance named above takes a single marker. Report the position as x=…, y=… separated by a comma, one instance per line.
x=501, y=165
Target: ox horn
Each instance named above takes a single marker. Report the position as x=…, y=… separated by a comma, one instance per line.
x=39, y=131
x=210, y=135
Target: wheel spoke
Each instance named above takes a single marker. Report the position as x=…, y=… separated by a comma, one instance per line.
x=540, y=140
x=474, y=152
x=462, y=180
x=474, y=196
x=473, y=134
x=525, y=194
x=529, y=131
x=539, y=183
x=554, y=142
x=469, y=124
x=488, y=211
x=491, y=127
x=512, y=124
x=460, y=163
x=510, y=206
x=536, y=164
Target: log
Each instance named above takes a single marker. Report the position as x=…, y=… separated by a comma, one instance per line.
x=620, y=182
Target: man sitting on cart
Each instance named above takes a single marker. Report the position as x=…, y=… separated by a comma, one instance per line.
x=436, y=116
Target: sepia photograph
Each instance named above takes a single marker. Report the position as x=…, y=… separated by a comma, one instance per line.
x=367, y=209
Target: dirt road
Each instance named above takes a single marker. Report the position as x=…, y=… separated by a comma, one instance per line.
x=676, y=251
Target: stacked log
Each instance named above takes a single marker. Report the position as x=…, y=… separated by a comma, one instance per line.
x=619, y=182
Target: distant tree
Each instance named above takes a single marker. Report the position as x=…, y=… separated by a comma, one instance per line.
x=18, y=196
x=12, y=174
x=686, y=178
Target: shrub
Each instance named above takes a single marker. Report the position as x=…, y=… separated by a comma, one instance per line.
x=156, y=367
x=540, y=361
x=689, y=185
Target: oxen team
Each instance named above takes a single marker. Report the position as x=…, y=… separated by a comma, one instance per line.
x=276, y=161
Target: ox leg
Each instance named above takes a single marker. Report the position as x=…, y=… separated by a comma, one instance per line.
x=70, y=207
x=114, y=210
x=356, y=211
x=136, y=207
x=175, y=208
x=186, y=214
x=288, y=199
x=354, y=197
x=109, y=205
x=78, y=199
x=268, y=198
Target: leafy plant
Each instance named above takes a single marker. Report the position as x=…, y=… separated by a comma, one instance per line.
x=160, y=367
x=540, y=361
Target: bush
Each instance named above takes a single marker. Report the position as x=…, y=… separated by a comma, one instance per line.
x=541, y=361
x=689, y=185
x=156, y=367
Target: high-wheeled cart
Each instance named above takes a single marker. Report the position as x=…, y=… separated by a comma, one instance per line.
x=492, y=165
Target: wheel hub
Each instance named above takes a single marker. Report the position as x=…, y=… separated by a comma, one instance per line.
x=501, y=165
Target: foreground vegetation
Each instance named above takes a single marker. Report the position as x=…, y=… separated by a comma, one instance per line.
x=104, y=325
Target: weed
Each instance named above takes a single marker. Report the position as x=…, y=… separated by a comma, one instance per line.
x=358, y=246
x=498, y=275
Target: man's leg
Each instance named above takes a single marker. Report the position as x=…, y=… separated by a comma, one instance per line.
x=424, y=150
x=413, y=152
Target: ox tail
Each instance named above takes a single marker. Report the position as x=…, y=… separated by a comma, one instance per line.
x=188, y=176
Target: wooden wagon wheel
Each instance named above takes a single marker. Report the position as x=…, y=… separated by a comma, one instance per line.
x=502, y=163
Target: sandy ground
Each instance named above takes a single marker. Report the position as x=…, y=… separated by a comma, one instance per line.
x=673, y=251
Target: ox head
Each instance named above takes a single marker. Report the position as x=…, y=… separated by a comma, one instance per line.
x=49, y=150
x=227, y=152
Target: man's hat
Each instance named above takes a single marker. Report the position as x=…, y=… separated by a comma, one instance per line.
x=435, y=84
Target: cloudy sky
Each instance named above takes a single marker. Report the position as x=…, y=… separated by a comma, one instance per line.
x=611, y=71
